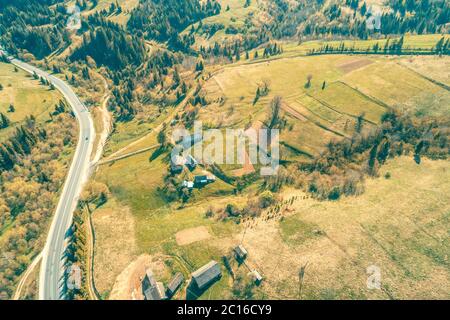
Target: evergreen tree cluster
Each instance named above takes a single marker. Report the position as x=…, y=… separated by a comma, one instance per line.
x=110, y=45
x=4, y=121
x=33, y=25
x=162, y=20
x=20, y=143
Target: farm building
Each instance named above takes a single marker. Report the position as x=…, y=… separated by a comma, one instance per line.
x=151, y=289
x=176, y=164
x=191, y=163
x=201, y=181
x=257, y=277
x=206, y=275
x=240, y=253
x=174, y=285
x=188, y=184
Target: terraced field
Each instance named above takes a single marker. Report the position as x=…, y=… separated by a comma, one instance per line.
x=355, y=86
x=343, y=88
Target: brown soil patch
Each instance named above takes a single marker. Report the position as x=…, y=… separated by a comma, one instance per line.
x=128, y=283
x=248, y=167
x=354, y=65
x=192, y=235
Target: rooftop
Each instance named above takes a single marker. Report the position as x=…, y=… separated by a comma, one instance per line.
x=207, y=274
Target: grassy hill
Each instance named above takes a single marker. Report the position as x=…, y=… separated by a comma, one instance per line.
x=27, y=96
x=231, y=21
x=343, y=87
x=355, y=86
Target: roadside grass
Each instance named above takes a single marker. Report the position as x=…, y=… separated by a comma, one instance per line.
x=27, y=96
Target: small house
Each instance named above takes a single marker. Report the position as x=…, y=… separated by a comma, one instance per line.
x=191, y=163
x=188, y=184
x=176, y=164
x=206, y=275
x=174, y=285
x=152, y=289
x=257, y=277
x=201, y=181
x=240, y=253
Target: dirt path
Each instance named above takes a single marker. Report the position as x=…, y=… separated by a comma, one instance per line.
x=128, y=155
x=107, y=126
x=248, y=167
x=25, y=276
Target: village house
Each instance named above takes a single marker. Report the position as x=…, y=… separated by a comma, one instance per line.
x=189, y=141
x=206, y=276
x=174, y=285
x=176, y=164
x=191, y=163
x=188, y=184
x=257, y=277
x=240, y=253
x=151, y=289
x=201, y=181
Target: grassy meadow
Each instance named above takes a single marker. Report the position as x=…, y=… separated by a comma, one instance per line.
x=234, y=17
x=343, y=87
x=400, y=224
x=27, y=96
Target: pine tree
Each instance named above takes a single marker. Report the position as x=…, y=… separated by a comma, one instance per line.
x=4, y=121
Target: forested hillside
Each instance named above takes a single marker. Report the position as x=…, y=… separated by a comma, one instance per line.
x=109, y=45
x=163, y=20
x=33, y=25
x=33, y=166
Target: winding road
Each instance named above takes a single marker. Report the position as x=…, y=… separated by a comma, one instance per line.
x=51, y=278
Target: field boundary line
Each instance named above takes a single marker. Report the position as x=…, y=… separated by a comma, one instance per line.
x=128, y=155
x=25, y=276
x=436, y=82
x=366, y=96
x=293, y=113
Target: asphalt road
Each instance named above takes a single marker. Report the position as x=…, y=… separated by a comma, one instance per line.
x=51, y=278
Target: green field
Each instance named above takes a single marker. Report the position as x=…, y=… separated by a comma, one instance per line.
x=134, y=185
x=344, y=235
x=354, y=86
x=410, y=42
x=27, y=96
x=234, y=17
x=122, y=18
